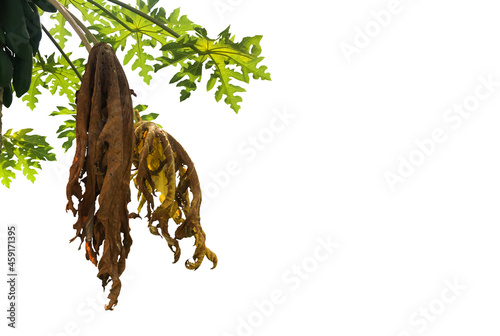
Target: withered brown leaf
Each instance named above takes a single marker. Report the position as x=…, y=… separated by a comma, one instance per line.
x=102, y=163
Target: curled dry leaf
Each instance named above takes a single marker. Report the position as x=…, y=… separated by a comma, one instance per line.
x=161, y=162
x=102, y=163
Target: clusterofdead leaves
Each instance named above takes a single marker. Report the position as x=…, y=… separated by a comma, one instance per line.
x=107, y=143
x=104, y=146
x=161, y=161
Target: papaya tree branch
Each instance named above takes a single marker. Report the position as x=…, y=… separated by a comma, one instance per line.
x=67, y=15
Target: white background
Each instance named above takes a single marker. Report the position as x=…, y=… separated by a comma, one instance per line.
x=320, y=178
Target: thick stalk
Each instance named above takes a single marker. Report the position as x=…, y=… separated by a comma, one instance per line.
x=66, y=14
x=84, y=28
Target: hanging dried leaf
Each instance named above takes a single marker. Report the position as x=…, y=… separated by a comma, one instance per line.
x=102, y=163
x=161, y=161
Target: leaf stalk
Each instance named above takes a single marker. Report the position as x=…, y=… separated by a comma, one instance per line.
x=62, y=52
x=147, y=17
x=67, y=15
x=113, y=16
x=84, y=28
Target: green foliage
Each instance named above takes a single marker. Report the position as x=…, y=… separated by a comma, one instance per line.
x=191, y=50
x=227, y=60
x=68, y=128
x=130, y=32
x=147, y=38
x=56, y=76
x=147, y=117
x=150, y=116
x=151, y=40
x=60, y=32
x=20, y=34
x=22, y=151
